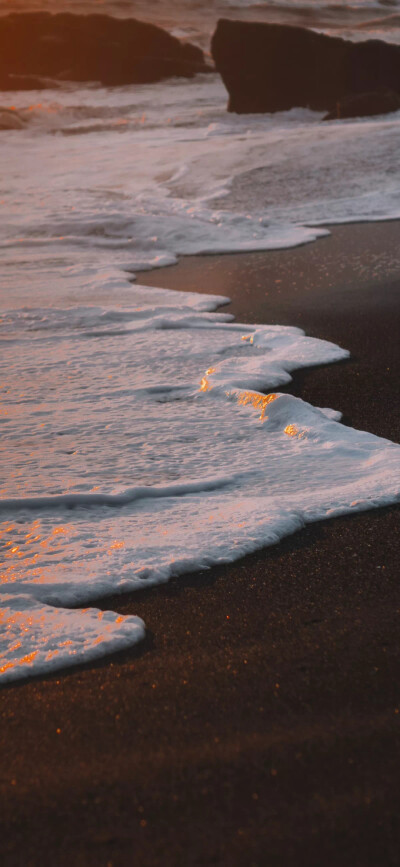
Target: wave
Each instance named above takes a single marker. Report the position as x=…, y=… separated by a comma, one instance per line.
x=200, y=182
x=118, y=447
x=115, y=397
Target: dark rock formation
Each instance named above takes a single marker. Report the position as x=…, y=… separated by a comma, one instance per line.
x=36, y=46
x=273, y=67
x=365, y=105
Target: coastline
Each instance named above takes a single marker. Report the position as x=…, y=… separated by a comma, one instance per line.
x=344, y=287
x=259, y=721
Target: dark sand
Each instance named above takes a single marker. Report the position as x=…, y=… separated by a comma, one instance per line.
x=259, y=723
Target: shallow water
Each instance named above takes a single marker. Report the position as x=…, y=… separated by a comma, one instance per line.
x=143, y=434
x=135, y=177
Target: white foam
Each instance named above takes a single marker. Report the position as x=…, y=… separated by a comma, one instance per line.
x=131, y=454
x=174, y=174
x=137, y=439
x=38, y=638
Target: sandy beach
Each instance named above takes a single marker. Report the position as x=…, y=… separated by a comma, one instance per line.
x=259, y=722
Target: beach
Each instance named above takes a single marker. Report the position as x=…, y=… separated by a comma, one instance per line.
x=258, y=722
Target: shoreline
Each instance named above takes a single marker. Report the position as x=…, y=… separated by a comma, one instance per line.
x=259, y=721
x=319, y=287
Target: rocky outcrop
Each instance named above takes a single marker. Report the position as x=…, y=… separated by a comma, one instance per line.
x=38, y=46
x=274, y=67
x=365, y=105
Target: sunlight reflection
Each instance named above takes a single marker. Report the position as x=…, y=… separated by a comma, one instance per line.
x=258, y=401
x=26, y=551
x=25, y=660
x=292, y=431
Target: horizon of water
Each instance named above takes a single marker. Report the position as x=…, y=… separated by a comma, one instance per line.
x=120, y=404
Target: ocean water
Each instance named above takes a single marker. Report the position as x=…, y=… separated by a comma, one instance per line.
x=143, y=433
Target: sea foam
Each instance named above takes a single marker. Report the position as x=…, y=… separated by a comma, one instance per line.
x=174, y=174
x=142, y=437
x=144, y=442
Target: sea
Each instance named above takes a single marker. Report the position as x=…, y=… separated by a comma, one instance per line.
x=143, y=431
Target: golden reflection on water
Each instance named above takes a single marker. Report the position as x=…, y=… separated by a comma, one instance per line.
x=36, y=624
x=116, y=546
x=292, y=431
x=14, y=550
x=205, y=384
x=258, y=401
x=254, y=399
x=244, y=398
x=23, y=661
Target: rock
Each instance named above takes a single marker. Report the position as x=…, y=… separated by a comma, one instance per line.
x=10, y=119
x=274, y=67
x=99, y=48
x=365, y=105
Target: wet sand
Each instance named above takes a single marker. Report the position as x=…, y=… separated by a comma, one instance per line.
x=259, y=723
